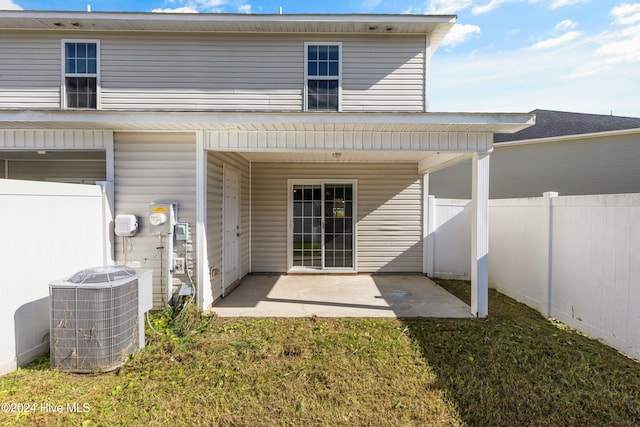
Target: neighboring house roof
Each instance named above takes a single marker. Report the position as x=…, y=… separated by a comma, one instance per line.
x=551, y=124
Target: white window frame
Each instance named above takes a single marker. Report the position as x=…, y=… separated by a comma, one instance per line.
x=323, y=270
x=63, y=73
x=307, y=77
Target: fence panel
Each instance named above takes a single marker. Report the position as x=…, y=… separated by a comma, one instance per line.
x=452, y=239
x=576, y=258
x=595, y=272
x=50, y=230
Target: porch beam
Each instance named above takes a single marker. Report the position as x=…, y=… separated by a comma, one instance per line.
x=348, y=140
x=438, y=161
x=480, y=235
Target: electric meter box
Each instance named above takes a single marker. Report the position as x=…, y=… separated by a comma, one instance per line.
x=126, y=225
x=182, y=231
x=162, y=217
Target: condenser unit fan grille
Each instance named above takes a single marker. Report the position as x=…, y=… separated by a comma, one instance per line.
x=93, y=329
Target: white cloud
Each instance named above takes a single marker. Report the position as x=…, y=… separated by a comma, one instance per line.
x=478, y=10
x=245, y=8
x=210, y=4
x=566, y=24
x=561, y=3
x=556, y=41
x=184, y=9
x=459, y=34
x=191, y=6
x=626, y=13
x=448, y=7
x=369, y=5
x=616, y=49
x=522, y=80
x=9, y=5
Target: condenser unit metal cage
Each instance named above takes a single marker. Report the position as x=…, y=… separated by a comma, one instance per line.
x=94, y=319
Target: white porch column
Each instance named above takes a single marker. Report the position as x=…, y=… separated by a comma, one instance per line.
x=427, y=255
x=204, y=296
x=109, y=190
x=480, y=235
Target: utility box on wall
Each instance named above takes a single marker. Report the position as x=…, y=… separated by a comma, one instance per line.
x=162, y=217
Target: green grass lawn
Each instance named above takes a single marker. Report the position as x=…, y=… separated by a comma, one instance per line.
x=514, y=368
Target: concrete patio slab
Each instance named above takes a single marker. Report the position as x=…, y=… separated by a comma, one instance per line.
x=362, y=295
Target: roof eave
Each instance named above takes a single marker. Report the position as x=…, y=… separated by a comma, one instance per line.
x=189, y=121
x=573, y=137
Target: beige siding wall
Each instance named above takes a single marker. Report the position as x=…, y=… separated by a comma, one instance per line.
x=215, y=165
x=215, y=71
x=389, y=212
x=606, y=165
x=154, y=167
x=383, y=74
x=29, y=70
x=86, y=171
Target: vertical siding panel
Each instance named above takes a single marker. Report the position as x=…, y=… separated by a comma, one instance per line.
x=389, y=210
x=154, y=167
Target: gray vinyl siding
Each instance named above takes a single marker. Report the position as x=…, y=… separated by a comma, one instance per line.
x=29, y=71
x=216, y=72
x=86, y=171
x=154, y=167
x=215, y=165
x=383, y=75
x=389, y=213
x=605, y=165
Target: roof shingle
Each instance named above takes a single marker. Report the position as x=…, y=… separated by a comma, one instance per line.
x=561, y=123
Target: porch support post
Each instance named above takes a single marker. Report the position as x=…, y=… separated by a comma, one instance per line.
x=425, y=222
x=109, y=190
x=480, y=235
x=204, y=297
x=428, y=219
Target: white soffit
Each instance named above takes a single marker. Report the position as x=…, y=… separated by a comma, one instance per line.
x=268, y=122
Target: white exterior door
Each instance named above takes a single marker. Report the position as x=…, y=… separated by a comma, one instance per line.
x=231, y=226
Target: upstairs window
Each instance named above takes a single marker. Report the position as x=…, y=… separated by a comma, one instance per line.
x=323, y=69
x=80, y=74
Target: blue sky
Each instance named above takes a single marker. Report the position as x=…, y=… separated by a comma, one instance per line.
x=502, y=55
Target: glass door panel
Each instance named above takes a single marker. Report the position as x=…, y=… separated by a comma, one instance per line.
x=307, y=226
x=323, y=226
x=338, y=225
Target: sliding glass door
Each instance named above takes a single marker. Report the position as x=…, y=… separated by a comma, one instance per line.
x=322, y=235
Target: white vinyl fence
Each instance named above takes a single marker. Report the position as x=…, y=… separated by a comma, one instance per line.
x=49, y=231
x=574, y=258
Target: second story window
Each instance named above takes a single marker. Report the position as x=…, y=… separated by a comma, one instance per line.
x=80, y=74
x=323, y=69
